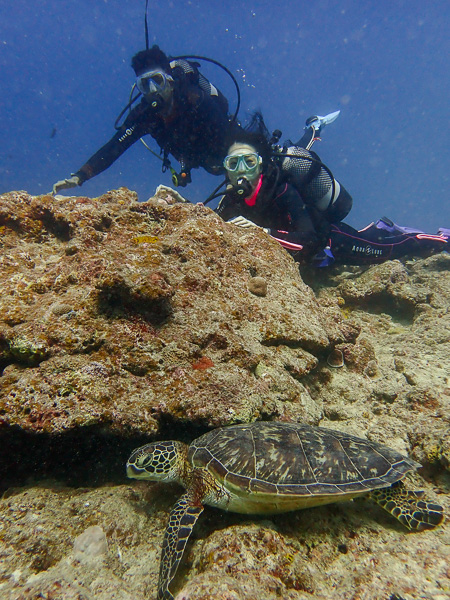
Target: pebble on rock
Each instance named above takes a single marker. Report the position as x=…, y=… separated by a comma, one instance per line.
x=258, y=286
x=90, y=544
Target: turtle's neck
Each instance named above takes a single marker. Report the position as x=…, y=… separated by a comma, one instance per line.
x=185, y=469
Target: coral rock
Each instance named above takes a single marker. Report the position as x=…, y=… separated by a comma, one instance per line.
x=122, y=322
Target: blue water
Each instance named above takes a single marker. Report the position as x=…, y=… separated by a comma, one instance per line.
x=65, y=66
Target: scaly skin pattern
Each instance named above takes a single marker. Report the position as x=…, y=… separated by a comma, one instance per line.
x=409, y=507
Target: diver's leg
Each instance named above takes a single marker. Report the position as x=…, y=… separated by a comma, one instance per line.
x=381, y=241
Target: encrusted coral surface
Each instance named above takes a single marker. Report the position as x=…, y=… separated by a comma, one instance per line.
x=121, y=322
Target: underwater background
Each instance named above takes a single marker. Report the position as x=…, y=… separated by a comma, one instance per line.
x=65, y=76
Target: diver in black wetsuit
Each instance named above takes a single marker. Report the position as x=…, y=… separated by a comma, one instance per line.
x=183, y=111
x=294, y=197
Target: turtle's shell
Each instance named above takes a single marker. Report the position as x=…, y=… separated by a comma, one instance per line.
x=289, y=465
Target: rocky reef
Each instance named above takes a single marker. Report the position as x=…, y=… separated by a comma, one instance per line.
x=125, y=321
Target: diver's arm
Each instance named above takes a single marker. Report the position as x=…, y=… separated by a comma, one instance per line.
x=132, y=130
x=298, y=243
x=296, y=228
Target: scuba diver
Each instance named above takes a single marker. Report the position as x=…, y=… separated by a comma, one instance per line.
x=185, y=113
x=293, y=196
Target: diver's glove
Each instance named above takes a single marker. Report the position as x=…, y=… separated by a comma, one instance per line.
x=246, y=223
x=66, y=184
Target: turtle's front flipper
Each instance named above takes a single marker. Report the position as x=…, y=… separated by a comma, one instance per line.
x=182, y=519
x=409, y=507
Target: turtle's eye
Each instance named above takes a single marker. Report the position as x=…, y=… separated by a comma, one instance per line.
x=155, y=459
x=142, y=460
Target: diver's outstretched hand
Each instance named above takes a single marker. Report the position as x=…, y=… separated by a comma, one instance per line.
x=246, y=223
x=66, y=184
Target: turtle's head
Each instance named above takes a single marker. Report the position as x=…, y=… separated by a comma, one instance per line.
x=159, y=461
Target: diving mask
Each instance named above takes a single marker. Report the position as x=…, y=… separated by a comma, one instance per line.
x=155, y=82
x=244, y=163
x=244, y=171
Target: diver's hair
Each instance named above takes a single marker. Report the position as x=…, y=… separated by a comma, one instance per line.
x=147, y=59
x=256, y=134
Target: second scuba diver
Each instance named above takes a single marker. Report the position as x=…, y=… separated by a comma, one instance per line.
x=185, y=113
x=294, y=197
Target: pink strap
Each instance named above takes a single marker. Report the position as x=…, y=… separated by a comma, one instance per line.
x=251, y=200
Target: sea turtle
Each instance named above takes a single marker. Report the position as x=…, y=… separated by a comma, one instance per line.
x=270, y=467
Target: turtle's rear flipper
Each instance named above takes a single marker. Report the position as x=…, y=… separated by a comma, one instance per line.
x=409, y=507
